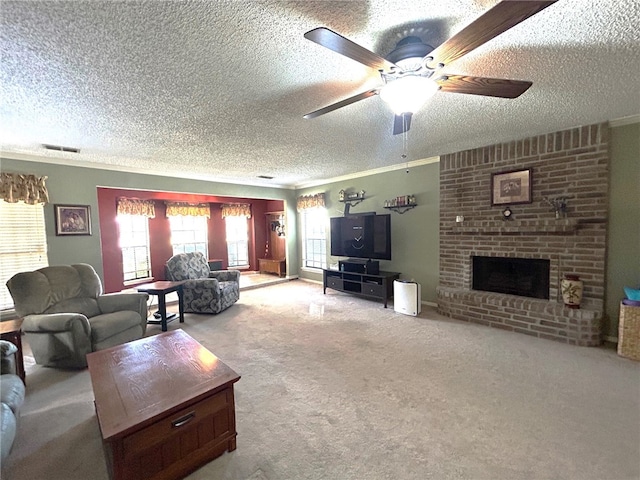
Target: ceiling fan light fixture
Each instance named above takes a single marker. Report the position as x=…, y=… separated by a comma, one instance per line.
x=408, y=94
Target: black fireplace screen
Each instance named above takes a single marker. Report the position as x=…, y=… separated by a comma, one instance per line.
x=526, y=277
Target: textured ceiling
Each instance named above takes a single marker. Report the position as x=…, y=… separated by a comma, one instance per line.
x=217, y=89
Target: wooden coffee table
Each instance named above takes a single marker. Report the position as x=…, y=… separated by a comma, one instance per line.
x=165, y=406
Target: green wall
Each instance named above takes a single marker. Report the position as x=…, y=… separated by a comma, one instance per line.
x=77, y=185
x=414, y=234
x=623, y=243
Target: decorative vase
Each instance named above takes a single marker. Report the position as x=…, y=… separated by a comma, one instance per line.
x=571, y=287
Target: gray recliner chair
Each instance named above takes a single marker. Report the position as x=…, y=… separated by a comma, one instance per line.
x=205, y=291
x=66, y=315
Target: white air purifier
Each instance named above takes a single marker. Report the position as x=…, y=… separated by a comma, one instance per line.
x=406, y=297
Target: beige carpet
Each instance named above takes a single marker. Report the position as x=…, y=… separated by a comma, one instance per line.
x=336, y=387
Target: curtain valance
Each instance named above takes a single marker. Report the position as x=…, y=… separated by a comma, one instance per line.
x=310, y=201
x=236, y=210
x=135, y=206
x=18, y=187
x=181, y=209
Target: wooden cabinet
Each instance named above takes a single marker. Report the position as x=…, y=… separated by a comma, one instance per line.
x=269, y=265
x=378, y=286
x=165, y=406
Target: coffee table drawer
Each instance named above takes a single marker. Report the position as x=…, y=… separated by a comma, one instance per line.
x=200, y=416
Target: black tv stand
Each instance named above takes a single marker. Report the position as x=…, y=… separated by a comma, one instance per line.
x=378, y=285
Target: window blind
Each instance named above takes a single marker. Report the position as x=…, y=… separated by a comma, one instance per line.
x=23, y=243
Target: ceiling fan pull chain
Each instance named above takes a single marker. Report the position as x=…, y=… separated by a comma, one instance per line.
x=405, y=134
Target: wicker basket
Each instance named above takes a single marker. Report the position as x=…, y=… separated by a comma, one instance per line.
x=629, y=332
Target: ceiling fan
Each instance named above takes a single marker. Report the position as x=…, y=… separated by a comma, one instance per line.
x=411, y=72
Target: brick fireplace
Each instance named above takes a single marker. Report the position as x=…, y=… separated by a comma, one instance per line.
x=572, y=163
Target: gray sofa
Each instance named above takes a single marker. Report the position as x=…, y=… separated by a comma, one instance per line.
x=205, y=291
x=12, y=393
x=66, y=315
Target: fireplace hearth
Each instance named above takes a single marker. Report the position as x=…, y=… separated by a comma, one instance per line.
x=526, y=277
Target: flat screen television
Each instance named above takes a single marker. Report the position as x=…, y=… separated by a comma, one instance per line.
x=361, y=236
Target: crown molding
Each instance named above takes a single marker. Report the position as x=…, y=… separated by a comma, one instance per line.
x=619, y=122
x=366, y=173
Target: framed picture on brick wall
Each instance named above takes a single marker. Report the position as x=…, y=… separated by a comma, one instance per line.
x=508, y=188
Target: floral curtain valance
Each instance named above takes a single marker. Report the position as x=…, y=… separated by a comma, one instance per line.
x=134, y=206
x=310, y=201
x=180, y=209
x=18, y=187
x=236, y=210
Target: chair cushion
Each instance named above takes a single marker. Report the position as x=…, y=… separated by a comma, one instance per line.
x=12, y=392
x=84, y=305
x=109, y=324
x=201, y=296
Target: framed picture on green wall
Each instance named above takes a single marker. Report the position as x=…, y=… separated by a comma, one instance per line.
x=73, y=219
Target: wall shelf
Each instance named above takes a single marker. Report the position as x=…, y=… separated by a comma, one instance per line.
x=350, y=200
x=401, y=208
x=401, y=204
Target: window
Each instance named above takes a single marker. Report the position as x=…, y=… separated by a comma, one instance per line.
x=23, y=243
x=134, y=243
x=237, y=241
x=189, y=234
x=314, y=241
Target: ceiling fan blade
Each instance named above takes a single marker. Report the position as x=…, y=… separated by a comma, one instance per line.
x=492, y=23
x=490, y=87
x=339, y=44
x=342, y=103
x=402, y=123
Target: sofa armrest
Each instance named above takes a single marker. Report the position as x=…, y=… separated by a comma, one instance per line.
x=225, y=275
x=115, y=302
x=56, y=322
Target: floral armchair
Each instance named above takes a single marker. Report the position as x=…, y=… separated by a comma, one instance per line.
x=205, y=291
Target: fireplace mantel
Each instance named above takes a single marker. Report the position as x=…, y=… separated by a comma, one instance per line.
x=488, y=227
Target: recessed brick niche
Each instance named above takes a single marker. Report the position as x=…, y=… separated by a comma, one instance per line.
x=572, y=163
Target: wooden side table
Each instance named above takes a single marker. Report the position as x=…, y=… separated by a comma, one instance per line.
x=161, y=289
x=11, y=330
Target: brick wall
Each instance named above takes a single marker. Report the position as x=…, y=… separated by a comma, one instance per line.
x=572, y=163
